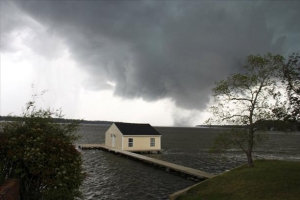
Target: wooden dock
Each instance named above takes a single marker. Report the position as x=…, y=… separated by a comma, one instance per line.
x=169, y=166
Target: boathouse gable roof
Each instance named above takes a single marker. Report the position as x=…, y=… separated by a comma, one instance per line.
x=136, y=129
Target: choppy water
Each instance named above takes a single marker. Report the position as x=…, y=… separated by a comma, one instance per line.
x=114, y=177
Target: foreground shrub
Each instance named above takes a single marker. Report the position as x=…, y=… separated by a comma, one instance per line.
x=41, y=154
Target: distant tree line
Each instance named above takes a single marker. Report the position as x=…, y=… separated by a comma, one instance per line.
x=58, y=120
x=278, y=125
x=270, y=125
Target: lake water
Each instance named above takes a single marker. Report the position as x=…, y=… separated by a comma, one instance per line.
x=113, y=177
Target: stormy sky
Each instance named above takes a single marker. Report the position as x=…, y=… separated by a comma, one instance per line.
x=135, y=61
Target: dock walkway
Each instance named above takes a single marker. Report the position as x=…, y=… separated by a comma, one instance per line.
x=167, y=165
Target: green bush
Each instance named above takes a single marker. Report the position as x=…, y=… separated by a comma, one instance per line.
x=40, y=153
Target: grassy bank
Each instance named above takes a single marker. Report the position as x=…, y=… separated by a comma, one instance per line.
x=269, y=179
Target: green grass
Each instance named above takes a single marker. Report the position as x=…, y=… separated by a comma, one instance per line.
x=269, y=179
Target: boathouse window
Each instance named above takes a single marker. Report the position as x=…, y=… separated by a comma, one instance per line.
x=130, y=142
x=152, y=142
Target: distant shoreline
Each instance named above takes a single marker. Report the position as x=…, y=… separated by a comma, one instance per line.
x=58, y=120
x=270, y=125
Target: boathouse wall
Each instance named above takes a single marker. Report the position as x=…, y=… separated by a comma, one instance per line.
x=113, y=133
x=141, y=143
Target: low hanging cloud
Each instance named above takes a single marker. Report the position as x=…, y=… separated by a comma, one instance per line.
x=161, y=49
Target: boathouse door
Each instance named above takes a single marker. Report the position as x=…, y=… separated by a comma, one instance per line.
x=113, y=140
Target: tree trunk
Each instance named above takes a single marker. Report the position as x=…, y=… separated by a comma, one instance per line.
x=250, y=143
x=249, y=159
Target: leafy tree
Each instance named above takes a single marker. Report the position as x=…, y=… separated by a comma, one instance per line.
x=246, y=99
x=40, y=153
x=290, y=110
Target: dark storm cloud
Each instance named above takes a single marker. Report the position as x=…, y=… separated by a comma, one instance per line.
x=10, y=20
x=166, y=49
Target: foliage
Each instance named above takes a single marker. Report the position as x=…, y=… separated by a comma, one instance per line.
x=245, y=99
x=40, y=153
x=1, y=174
x=269, y=179
x=290, y=110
